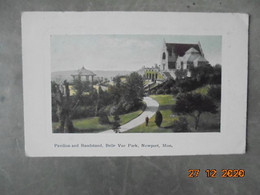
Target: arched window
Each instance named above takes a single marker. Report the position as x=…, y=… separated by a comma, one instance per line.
x=163, y=56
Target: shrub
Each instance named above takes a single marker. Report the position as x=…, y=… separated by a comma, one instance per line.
x=167, y=91
x=160, y=91
x=188, y=84
x=158, y=118
x=215, y=92
x=180, y=125
x=194, y=104
x=82, y=112
x=116, y=124
x=216, y=76
x=174, y=90
x=103, y=118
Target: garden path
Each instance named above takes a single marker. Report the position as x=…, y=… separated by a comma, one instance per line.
x=151, y=108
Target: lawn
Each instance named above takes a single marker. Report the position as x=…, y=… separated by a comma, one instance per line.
x=202, y=90
x=168, y=119
x=125, y=118
x=208, y=122
x=87, y=125
x=165, y=102
x=92, y=125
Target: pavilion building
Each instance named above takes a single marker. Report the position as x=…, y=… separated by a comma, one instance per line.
x=83, y=74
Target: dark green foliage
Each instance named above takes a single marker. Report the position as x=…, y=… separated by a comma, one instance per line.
x=103, y=118
x=200, y=76
x=53, y=103
x=80, y=87
x=127, y=96
x=180, y=74
x=91, y=103
x=116, y=123
x=158, y=118
x=121, y=98
x=167, y=91
x=180, y=125
x=202, y=73
x=83, y=112
x=216, y=76
x=174, y=90
x=215, y=92
x=54, y=115
x=160, y=91
x=134, y=89
x=187, y=84
x=164, y=88
x=64, y=106
x=168, y=84
x=194, y=105
x=116, y=91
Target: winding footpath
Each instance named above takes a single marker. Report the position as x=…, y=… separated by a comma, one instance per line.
x=151, y=108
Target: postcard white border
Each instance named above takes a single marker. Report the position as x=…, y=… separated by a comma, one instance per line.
x=36, y=30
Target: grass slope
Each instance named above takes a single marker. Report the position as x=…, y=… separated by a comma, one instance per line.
x=165, y=102
x=208, y=122
x=202, y=90
x=91, y=125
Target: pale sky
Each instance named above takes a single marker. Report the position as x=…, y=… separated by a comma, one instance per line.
x=121, y=52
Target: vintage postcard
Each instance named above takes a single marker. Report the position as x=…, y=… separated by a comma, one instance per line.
x=134, y=83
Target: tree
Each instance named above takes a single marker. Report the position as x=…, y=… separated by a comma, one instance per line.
x=181, y=74
x=116, y=91
x=187, y=84
x=160, y=91
x=134, y=90
x=80, y=87
x=158, y=118
x=202, y=73
x=215, y=92
x=116, y=123
x=216, y=76
x=103, y=118
x=65, y=106
x=194, y=105
x=180, y=125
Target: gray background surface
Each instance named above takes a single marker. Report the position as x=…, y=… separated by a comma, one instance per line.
x=132, y=176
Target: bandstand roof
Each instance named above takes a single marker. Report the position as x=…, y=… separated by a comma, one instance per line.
x=83, y=72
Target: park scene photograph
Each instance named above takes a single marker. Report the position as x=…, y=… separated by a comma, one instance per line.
x=135, y=83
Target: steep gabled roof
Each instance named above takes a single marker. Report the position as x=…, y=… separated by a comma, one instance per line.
x=180, y=48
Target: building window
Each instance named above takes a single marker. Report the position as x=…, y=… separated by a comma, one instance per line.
x=163, y=56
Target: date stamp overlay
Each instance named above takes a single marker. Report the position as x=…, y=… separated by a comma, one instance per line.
x=214, y=173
